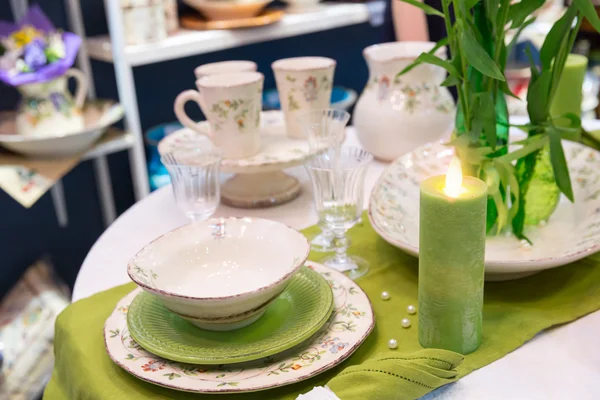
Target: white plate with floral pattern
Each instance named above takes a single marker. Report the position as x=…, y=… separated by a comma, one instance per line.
x=571, y=233
x=351, y=322
x=278, y=151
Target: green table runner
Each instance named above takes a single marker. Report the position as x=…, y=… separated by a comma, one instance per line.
x=514, y=312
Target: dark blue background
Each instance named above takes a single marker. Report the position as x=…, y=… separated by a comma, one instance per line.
x=26, y=235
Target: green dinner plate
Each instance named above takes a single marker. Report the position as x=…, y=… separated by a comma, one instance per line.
x=297, y=314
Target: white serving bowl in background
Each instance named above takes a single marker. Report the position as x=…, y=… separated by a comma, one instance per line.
x=98, y=116
x=222, y=273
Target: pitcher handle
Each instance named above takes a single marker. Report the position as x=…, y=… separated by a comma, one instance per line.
x=82, y=86
x=180, y=100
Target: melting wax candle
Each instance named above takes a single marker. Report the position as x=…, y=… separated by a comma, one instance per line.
x=451, y=261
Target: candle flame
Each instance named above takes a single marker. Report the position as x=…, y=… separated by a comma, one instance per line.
x=454, y=179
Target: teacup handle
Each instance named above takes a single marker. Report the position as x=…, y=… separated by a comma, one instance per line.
x=180, y=100
x=82, y=85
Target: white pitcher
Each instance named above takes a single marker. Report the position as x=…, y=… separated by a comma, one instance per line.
x=47, y=108
x=394, y=114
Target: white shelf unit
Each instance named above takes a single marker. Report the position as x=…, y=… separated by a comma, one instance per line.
x=188, y=43
x=113, y=49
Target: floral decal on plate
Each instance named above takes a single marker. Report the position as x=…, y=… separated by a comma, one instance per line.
x=338, y=338
x=153, y=366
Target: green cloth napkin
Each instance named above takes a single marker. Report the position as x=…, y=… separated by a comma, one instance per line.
x=396, y=376
x=514, y=312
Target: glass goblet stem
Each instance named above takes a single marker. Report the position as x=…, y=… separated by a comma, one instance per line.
x=341, y=247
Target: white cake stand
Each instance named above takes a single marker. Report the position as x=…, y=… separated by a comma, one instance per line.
x=259, y=181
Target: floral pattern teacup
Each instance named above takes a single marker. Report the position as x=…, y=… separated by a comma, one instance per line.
x=232, y=104
x=304, y=84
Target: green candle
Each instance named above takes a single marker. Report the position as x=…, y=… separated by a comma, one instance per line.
x=569, y=94
x=451, y=261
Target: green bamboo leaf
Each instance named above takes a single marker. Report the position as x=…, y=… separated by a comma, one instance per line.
x=476, y=119
x=509, y=181
x=503, y=56
x=589, y=12
x=573, y=130
x=517, y=34
x=492, y=179
x=518, y=12
x=435, y=60
x=502, y=210
x=535, y=73
x=427, y=9
x=524, y=170
x=528, y=146
x=559, y=163
x=537, y=97
x=491, y=10
x=440, y=43
x=450, y=80
x=555, y=37
x=470, y=3
x=488, y=114
x=506, y=90
x=477, y=56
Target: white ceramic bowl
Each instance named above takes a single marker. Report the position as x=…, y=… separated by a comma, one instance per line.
x=223, y=10
x=98, y=115
x=222, y=273
x=570, y=234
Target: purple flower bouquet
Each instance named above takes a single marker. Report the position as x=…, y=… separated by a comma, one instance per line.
x=33, y=50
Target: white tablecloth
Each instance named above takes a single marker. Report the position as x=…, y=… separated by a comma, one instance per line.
x=563, y=363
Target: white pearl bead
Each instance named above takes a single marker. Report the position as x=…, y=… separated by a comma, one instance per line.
x=411, y=309
x=392, y=344
x=385, y=296
x=405, y=322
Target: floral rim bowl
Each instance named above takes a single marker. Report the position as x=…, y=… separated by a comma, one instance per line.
x=570, y=234
x=222, y=273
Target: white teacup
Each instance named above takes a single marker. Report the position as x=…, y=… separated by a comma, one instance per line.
x=232, y=105
x=304, y=84
x=224, y=67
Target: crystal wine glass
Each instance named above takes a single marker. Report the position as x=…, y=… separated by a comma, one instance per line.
x=324, y=129
x=195, y=178
x=338, y=177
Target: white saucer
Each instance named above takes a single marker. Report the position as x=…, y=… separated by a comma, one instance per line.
x=278, y=151
x=98, y=115
x=570, y=234
x=259, y=180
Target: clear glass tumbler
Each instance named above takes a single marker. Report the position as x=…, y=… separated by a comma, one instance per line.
x=324, y=129
x=338, y=177
x=195, y=179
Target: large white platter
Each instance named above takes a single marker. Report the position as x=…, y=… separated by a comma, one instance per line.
x=571, y=233
x=350, y=324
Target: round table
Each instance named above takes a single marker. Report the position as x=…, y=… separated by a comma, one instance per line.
x=560, y=363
